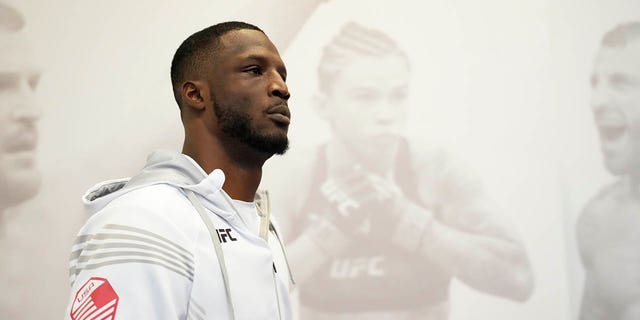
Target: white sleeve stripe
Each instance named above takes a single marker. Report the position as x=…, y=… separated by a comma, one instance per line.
x=81, y=238
x=198, y=307
x=196, y=311
x=138, y=234
x=107, y=236
x=118, y=236
x=135, y=254
x=194, y=315
x=137, y=250
x=148, y=233
x=81, y=255
x=124, y=261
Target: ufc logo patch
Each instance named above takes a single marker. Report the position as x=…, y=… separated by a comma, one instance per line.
x=225, y=235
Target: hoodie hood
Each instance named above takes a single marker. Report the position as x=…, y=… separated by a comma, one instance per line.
x=164, y=167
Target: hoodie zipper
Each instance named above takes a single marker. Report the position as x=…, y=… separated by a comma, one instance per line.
x=275, y=286
x=265, y=227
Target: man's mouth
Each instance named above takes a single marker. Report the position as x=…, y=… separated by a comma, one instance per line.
x=25, y=141
x=611, y=125
x=611, y=132
x=280, y=114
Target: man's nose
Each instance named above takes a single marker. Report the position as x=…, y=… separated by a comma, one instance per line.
x=386, y=113
x=601, y=98
x=278, y=87
x=26, y=108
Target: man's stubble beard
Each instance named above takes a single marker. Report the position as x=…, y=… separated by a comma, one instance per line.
x=237, y=125
x=16, y=189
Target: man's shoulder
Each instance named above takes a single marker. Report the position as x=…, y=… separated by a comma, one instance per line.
x=597, y=210
x=604, y=200
x=138, y=237
x=156, y=196
x=160, y=209
x=597, y=217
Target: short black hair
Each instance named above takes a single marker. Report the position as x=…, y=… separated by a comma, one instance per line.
x=352, y=43
x=199, y=48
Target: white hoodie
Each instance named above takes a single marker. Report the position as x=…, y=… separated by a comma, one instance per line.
x=146, y=252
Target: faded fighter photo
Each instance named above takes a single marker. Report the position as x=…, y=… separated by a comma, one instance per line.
x=608, y=229
x=378, y=225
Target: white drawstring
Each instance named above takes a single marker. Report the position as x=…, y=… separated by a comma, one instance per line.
x=265, y=223
x=217, y=245
x=266, y=226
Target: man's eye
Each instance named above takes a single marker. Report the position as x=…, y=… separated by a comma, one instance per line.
x=398, y=95
x=365, y=95
x=34, y=81
x=8, y=84
x=254, y=70
x=623, y=82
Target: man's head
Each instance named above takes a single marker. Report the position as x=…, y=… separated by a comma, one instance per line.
x=229, y=78
x=364, y=87
x=615, y=101
x=19, y=178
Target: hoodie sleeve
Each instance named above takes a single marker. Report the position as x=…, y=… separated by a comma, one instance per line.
x=129, y=262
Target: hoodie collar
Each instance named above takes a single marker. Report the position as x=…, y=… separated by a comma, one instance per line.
x=164, y=167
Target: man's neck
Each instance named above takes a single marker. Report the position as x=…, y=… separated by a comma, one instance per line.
x=241, y=166
x=242, y=183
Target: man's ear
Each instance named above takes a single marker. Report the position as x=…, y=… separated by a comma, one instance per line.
x=195, y=94
x=320, y=105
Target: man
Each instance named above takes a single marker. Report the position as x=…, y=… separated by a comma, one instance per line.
x=608, y=229
x=189, y=237
x=19, y=113
x=19, y=175
x=380, y=226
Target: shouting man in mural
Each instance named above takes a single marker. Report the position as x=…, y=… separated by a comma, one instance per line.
x=19, y=175
x=379, y=227
x=19, y=113
x=609, y=227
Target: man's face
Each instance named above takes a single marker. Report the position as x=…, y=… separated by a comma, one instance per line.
x=615, y=103
x=249, y=92
x=19, y=178
x=368, y=102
